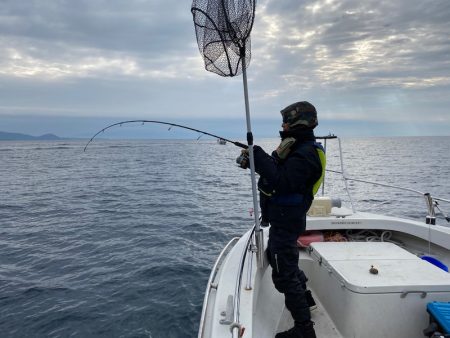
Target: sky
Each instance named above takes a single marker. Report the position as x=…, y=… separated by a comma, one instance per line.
x=371, y=68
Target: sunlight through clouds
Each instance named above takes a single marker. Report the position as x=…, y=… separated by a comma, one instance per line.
x=21, y=65
x=17, y=64
x=358, y=44
x=319, y=6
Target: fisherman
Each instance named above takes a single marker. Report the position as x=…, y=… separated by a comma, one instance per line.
x=287, y=184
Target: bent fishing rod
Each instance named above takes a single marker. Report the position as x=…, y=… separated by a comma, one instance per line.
x=238, y=144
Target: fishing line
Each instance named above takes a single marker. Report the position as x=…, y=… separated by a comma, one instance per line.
x=238, y=144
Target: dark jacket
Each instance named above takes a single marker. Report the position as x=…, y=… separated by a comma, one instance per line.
x=286, y=185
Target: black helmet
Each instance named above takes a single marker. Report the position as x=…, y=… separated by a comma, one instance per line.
x=300, y=114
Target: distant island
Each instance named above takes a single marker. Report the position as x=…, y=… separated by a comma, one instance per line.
x=4, y=136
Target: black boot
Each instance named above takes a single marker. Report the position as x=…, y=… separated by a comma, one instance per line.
x=305, y=330
x=292, y=333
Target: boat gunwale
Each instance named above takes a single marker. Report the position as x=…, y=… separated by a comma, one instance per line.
x=214, y=271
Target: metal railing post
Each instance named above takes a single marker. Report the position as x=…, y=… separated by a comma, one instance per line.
x=431, y=217
x=344, y=176
x=323, y=182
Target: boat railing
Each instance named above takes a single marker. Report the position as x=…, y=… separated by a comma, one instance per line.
x=431, y=201
x=235, y=326
x=212, y=284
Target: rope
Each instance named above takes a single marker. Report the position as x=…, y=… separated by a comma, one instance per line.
x=372, y=236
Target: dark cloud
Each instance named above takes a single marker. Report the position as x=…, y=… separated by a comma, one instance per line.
x=141, y=27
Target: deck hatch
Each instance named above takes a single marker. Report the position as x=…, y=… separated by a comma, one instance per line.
x=399, y=271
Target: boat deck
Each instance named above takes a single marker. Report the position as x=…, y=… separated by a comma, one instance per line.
x=323, y=324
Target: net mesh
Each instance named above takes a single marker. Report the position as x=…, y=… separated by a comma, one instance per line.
x=223, y=31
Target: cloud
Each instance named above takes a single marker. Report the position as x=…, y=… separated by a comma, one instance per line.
x=94, y=63
x=354, y=44
x=355, y=60
x=61, y=39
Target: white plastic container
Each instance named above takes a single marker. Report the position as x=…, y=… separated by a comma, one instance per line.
x=321, y=206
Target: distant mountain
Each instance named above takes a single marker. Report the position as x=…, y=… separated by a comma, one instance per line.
x=4, y=136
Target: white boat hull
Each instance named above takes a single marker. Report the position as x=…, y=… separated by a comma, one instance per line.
x=352, y=302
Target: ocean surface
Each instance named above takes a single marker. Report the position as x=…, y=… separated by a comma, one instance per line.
x=118, y=241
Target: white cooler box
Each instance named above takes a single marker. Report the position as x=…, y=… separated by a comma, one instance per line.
x=389, y=304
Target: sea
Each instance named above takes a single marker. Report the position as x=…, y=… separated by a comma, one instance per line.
x=119, y=240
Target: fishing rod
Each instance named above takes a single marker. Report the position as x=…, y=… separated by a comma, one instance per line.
x=238, y=144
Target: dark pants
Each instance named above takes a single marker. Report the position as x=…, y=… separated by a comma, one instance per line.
x=288, y=279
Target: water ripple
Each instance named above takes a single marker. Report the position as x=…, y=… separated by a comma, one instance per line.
x=119, y=241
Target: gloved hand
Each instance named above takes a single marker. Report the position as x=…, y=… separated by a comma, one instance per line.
x=243, y=160
x=257, y=148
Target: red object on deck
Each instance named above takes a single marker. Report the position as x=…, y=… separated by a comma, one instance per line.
x=309, y=237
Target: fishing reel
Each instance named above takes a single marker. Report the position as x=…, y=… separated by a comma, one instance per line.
x=243, y=160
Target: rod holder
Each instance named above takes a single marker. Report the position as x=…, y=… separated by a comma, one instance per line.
x=259, y=241
x=431, y=217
